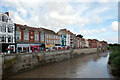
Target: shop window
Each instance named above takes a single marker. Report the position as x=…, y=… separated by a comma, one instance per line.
x=28, y=49
x=19, y=49
x=31, y=48
x=35, y=48
x=25, y=49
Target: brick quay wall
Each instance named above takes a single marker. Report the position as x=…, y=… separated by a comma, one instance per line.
x=16, y=63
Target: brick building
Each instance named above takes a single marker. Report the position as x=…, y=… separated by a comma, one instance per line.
x=103, y=44
x=94, y=43
x=68, y=39
x=29, y=39
x=52, y=39
x=63, y=37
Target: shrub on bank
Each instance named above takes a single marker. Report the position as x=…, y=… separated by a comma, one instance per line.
x=115, y=64
x=114, y=61
x=113, y=55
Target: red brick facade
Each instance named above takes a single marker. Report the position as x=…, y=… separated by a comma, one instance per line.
x=31, y=36
x=22, y=35
x=31, y=31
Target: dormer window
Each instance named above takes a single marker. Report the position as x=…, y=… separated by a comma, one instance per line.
x=4, y=19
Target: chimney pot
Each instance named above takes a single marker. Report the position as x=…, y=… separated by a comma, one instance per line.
x=7, y=13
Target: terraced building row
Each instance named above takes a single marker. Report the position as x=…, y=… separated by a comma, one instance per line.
x=18, y=38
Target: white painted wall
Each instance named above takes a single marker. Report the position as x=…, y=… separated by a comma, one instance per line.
x=7, y=24
x=68, y=39
x=86, y=43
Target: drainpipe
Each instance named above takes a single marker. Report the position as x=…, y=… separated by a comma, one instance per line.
x=15, y=38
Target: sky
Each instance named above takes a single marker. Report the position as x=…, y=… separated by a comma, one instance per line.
x=94, y=19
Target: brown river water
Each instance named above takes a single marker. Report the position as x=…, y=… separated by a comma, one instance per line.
x=86, y=66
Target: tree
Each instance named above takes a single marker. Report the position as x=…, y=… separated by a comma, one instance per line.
x=79, y=36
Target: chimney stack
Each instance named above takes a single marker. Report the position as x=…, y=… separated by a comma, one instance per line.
x=7, y=13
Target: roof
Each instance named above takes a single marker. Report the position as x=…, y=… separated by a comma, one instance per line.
x=89, y=39
x=48, y=31
x=29, y=28
x=67, y=31
x=82, y=39
x=62, y=30
x=94, y=40
x=6, y=13
x=103, y=42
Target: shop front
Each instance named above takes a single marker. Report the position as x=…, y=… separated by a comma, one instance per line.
x=22, y=48
x=25, y=48
x=11, y=49
x=42, y=47
x=49, y=47
x=8, y=48
x=57, y=46
x=34, y=47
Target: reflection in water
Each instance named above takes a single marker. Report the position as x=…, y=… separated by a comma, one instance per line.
x=87, y=66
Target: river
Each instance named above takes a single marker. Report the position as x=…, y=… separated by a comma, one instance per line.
x=85, y=66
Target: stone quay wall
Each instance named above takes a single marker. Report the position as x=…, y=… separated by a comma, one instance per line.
x=16, y=63
x=0, y=66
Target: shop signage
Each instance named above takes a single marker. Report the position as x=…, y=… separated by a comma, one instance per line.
x=49, y=45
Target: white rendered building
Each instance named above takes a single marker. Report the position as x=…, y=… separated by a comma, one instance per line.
x=68, y=39
x=86, y=43
x=7, y=37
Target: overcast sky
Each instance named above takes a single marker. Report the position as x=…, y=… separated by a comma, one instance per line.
x=92, y=18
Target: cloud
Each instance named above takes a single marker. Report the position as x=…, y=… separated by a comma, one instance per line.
x=58, y=14
x=68, y=19
x=97, y=19
x=112, y=39
x=22, y=11
x=54, y=13
x=16, y=17
x=114, y=26
x=93, y=31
